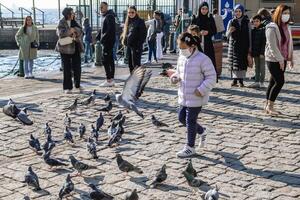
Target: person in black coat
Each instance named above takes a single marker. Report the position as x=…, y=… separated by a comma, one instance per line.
x=133, y=37
x=207, y=26
x=107, y=39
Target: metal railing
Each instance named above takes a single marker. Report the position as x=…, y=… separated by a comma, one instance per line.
x=1, y=18
x=21, y=9
x=42, y=13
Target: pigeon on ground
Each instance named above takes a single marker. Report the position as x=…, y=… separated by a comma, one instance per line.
x=91, y=148
x=67, y=120
x=73, y=106
x=132, y=196
x=98, y=194
x=191, y=180
x=90, y=100
x=112, y=128
x=106, y=98
x=125, y=166
x=116, y=135
x=47, y=129
x=67, y=188
x=212, y=194
x=68, y=135
x=107, y=107
x=157, y=123
x=94, y=133
x=160, y=176
x=118, y=116
x=80, y=166
x=23, y=117
x=34, y=144
x=32, y=179
x=49, y=144
x=190, y=169
x=134, y=88
x=122, y=120
x=99, y=121
x=11, y=109
x=81, y=130
x=52, y=162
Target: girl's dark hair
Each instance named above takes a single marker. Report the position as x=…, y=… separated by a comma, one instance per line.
x=132, y=7
x=25, y=23
x=189, y=39
x=67, y=12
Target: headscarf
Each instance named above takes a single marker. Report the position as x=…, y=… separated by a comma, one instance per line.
x=202, y=20
x=241, y=7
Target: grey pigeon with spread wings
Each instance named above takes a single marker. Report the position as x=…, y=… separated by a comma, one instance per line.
x=134, y=88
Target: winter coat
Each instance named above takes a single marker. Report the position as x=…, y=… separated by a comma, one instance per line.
x=136, y=34
x=63, y=30
x=239, y=44
x=273, y=36
x=196, y=72
x=107, y=35
x=88, y=34
x=24, y=43
x=258, y=41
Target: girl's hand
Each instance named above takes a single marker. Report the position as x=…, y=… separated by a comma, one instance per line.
x=204, y=32
x=291, y=64
x=232, y=29
x=197, y=93
x=281, y=65
x=175, y=79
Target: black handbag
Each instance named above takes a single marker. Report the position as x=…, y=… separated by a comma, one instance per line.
x=34, y=45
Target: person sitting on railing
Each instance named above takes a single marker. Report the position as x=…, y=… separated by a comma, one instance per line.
x=27, y=39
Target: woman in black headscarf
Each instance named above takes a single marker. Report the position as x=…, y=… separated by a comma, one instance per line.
x=207, y=26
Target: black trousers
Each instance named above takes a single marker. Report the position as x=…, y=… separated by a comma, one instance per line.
x=134, y=57
x=71, y=62
x=276, y=80
x=108, y=62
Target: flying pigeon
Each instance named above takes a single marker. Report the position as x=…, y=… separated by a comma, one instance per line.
x=34, y=143
x=107, y=107
x=67, y=120
x=212, y=194
x=99, y=121
x=67, y=188
x=94, y=133
x=47, y=129
x=68, y=135
x=134, y=88
x=90, y=100
x=80, y=166
x=91, y=148
x=160, y=176
x=190, y=169
x=81, y=130
x=191, y=180
x=106, y=98
x=125, y=166
x=157, y=123
x=98, y=194
x=32, y=179
x=73, y=106
x=132, y=196
x=52, y=162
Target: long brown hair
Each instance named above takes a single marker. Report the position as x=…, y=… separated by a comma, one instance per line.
x=25, y=23
x=277, y=18
x=125, y=30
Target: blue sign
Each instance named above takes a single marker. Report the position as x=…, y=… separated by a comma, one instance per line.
x=226, y=10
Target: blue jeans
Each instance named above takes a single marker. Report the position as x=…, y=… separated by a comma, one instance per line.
x=116, y=47
x=88, y=54
x=175, y=40
x=152, y=49
x=188, y=117
x=28, y=66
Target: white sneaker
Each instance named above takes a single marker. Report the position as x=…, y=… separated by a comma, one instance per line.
x=186, y=152
x=202, y=142
x=107, y=84
x=68, y=91
x=262, y=85
x=78, y=90
x=254, y=85
x=147, y=62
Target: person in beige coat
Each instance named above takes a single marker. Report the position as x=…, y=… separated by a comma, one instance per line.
x=27, y=39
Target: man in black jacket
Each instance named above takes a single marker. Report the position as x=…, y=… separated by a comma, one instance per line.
x=107, y=39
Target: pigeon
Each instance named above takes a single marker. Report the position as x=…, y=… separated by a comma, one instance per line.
x=212, y=194
x=47, y=129
x=90, y=100
x=73, y=106
x=91, y=148
x=80, y=166
x=34, y=144
x=81, y=130
x=133, y=89
x=112, y=128
x=157, y=123
x=52, y=162
x=189, y=168
x=116, y=135
x=49, y=144
x=125, y=166
x=191, y=180
x=118, y=116
x=106, y=98
x=160, y=176
x=97, y=194
x=122, y=120
x=10, y=109
x=99, y=121
x=67, y=188
x=132, y=196
x=94, y=133
x=32, y=179
x=107, y=107
x=67, y=120
x=23, y=117
x=68, y=135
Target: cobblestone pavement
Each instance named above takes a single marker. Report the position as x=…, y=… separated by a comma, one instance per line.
x=248, y=155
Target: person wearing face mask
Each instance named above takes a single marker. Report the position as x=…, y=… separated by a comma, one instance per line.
x=239, y=49
x=279, y=50
x=196, y=76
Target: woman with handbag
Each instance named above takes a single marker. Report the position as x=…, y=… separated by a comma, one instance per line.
x=27, y=39
x=70, y=46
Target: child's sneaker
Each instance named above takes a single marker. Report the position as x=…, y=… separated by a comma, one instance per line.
x=186, y=152
x=202, y=142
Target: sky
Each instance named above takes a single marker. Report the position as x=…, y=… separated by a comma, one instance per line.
x=42, y=4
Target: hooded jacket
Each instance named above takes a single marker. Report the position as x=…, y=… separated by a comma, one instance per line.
x=107, y=34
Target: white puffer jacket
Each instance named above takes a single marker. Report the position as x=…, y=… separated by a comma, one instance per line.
x=196, y=72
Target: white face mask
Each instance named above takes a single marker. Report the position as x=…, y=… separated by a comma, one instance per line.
x=185, y=52
x=285, y=18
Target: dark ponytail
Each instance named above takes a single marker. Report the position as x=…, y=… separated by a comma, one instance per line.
x=190, y=40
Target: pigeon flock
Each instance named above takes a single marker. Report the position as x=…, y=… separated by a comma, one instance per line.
x=132, y=91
